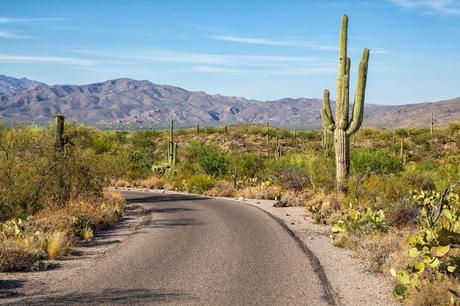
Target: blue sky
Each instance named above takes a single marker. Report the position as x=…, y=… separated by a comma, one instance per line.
x=256, y=49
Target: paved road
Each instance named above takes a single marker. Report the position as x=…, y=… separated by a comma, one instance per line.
x=197, y=251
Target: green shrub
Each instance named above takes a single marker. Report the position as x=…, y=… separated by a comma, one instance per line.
x=248, y=166
x=199, y=183
x=296, y=171
x=210, y=158
x=378, y=161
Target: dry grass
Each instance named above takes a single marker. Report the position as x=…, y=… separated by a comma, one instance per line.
x=434, y=293
x=54, y=230
x=87, y=233
x=121, y=183
x=18, y=254
x=222, y=189
x=152, y=182
x=260, y=192
x=57, y=244
x=382, y=251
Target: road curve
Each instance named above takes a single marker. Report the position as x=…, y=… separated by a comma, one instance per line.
x=190, y=250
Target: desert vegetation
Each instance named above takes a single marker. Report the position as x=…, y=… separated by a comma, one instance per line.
x=51, y=192
x=400, y=213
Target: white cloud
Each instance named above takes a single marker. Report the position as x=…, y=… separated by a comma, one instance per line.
x=221, y=63
x=7, y=20
x=181, y=57
x=6, y=58
x=296, y=43
x=448, y=7
x=8, y=34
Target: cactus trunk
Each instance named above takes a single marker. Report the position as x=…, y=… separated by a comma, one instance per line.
x=59, y=140
x=432, y=124
x=172, y=145
x=342, y=158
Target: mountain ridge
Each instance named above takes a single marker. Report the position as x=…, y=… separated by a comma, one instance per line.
x=125, y=102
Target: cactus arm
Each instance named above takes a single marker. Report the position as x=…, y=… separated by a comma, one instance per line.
x=358, y=107
x=326, y=112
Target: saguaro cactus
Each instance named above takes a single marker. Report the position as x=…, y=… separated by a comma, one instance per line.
x=342, y=126
x=59, y=142
x=279, y=150
x=432, y=124
x=172, y=145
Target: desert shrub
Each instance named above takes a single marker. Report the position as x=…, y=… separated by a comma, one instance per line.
x=17, y=255
x=378, y=250
x=210, y=158
x=290, y=198
x=264, y=191
x=297, y=171
x=377, y=192
x=140, y=162
x=453, y=127
x=161, y=170
x=248, y=166
x=378, y=161
x=222, y=189
x=199, y=183
x=153, y=182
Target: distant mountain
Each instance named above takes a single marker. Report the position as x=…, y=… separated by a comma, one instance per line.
x=10, y=85
x=130, y=103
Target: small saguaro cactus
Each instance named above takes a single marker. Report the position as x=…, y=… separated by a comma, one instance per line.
x=431, y=124
x=268, y=132
x=342, y=126
x=279, y=150
x=59, y=142
x=172, y=145
x=198, y=129
x=235, y=177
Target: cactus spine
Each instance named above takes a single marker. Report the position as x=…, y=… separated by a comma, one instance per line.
x=59, y=140
x=172, y=145
x=342, y=126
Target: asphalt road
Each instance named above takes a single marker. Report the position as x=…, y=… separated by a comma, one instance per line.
x=190, y=250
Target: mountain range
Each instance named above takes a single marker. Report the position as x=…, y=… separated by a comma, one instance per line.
x=127, y=103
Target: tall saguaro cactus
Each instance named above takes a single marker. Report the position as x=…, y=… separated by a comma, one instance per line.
x=172, y=145
x=342, y=126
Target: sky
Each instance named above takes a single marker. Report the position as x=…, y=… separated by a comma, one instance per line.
x=258, y=49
